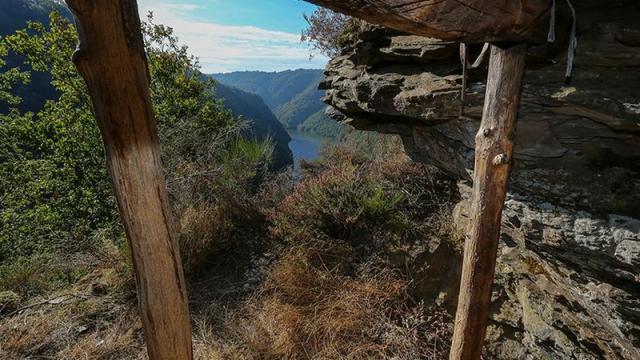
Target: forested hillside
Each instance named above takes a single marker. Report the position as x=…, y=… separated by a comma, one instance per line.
x=15, y=14
x=292, y=95
x=263, y=122
x=276, y=88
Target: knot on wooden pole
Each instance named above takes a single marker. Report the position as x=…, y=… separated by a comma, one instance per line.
x=489, y=191
x=501, y=159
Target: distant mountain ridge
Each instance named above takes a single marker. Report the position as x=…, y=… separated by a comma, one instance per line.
x=292, y=95
x=14, y=15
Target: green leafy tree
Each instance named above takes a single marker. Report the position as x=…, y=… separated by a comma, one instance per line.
x=54, y=189
x=53, y=184
x=204, y=153
x=328, y=32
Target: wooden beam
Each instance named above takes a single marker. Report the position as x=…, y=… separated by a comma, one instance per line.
x=494, y=148
x=111, y=59
x=469, y=21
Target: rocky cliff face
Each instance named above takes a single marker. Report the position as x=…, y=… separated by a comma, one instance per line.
x=568, y=277
x=567, y=283
x=577, y=144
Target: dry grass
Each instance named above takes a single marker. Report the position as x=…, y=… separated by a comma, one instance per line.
x=208, y=231
x=309, y=276
x=316, y=305
x=91, y=320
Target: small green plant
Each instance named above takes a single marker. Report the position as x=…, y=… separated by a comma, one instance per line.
x=353, y=198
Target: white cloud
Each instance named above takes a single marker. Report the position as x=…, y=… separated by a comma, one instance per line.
x=222, y=48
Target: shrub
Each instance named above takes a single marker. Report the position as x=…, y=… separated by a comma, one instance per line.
x=229, y=226
x=54, y=155
x=359, y=200
x=332, y=293
x=329, y=32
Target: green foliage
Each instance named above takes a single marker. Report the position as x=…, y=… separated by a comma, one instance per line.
x=54, y=189
x=33, y=275
x=14, y=15
x=370, y=145
x=306, y=103
x=356, y=199
x=329, y=32
x=324, y=31
x=53, y=184
x=177, y=87
x=9, y=78
x=320, y=124
x=200, y=137
x=262, y=122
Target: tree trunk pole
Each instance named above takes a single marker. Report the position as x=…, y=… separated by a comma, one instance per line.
x=494, y=147
x=111, y=59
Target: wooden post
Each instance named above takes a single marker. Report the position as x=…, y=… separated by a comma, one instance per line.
x=494, y=145
x=112, y=60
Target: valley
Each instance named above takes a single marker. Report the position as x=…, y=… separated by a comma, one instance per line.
x=293, y=97
x=211, y=193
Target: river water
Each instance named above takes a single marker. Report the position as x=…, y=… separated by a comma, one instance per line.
x=304, y=147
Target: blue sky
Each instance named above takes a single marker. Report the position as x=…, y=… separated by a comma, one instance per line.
x=232, y=35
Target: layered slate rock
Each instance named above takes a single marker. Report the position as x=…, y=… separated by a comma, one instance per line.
x=577, y=144
x=568, y=275
x=567, y=283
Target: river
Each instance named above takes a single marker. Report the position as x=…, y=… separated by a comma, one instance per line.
x=304, y=147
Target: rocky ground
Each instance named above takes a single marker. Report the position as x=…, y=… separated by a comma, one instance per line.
x=567, y=284
x=568, y=277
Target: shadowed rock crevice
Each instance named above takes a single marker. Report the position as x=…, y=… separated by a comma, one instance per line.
x=577, y=144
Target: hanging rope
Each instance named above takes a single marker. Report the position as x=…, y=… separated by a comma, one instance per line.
x=573, y=45
x=573, y=39
x=464, y=59
x=551, y=37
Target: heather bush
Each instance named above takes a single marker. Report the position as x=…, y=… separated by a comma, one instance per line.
x=333, y=292
x=360, y=200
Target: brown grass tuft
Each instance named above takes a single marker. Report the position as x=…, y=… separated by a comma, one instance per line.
x=317, y=305
x=95, y=319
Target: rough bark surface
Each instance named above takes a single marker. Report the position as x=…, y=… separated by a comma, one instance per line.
x=494, y=148
x=466, y=21
x=112, y=60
